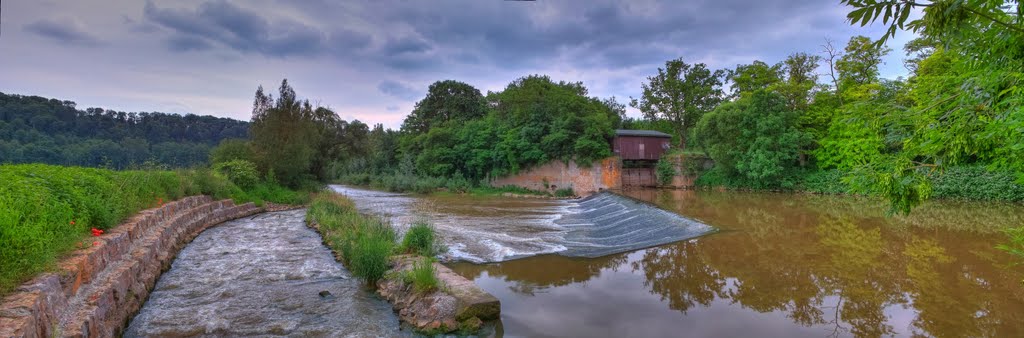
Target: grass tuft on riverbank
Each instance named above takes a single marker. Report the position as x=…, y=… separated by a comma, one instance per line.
x=364, y=243
x=47, y=211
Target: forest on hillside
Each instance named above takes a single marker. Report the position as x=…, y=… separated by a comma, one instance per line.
x=35, y=129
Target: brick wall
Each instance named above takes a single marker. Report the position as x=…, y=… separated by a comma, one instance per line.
x=603, y=174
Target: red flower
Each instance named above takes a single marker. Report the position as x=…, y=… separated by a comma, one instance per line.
x=96, y=232
x=72, y=222
x=95, y=243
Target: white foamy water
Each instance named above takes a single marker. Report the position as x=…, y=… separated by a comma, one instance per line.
x=494, y=229
x=475, y=229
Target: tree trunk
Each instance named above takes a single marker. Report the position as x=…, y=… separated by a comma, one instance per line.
x=682, y=140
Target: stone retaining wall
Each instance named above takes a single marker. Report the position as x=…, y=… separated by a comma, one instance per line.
x=97, y=290
x=459, y=305
x=554, y=175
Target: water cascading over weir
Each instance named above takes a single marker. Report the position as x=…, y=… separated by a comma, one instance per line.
x=607, y=223
x=488, y=229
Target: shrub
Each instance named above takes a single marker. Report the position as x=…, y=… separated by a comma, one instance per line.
x=824, y=182
x=370, y=257
x=422, y=276
x=419, y=239
x=977, y=183
x=240, y=172
x=665, y=171
x=565, y=192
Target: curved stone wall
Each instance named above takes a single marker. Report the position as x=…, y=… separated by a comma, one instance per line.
x=95, y=291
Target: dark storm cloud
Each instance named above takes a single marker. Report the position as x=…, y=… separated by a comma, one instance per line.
x=184, y=43
x=62, y=31
x=399, y=90
x=241, y=29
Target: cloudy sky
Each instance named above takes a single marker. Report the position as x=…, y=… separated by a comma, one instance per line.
x=372, y=60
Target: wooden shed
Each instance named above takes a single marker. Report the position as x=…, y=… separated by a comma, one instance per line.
x=631, y=145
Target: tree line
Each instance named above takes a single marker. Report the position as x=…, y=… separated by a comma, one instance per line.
x=35, y=129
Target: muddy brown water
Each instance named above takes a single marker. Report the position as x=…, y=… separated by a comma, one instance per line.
x=781, y=266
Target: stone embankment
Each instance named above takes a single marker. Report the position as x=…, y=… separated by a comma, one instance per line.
x=96, y=291
x=459, y=305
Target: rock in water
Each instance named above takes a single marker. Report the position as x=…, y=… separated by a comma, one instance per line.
x=325, y=294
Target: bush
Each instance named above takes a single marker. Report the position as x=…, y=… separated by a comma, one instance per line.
x=371, y=257
x=824, y=182
x=240, y=172
x=419, y=239
x=422, y=276
x=565, y=192
x=976, y=183
x=665, y=171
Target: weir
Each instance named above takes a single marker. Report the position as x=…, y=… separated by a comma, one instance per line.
x=484, y=229
x=607, y=223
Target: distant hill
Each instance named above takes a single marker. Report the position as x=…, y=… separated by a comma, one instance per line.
x=36, y=129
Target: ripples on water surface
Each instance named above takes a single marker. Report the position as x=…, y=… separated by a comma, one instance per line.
x=261, y=276
x=783, y=266
x=491, y=229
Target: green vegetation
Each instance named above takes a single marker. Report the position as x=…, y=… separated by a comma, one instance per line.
x=49, y=210
x=457, y=138
x=34, y=129
x=422, y=276
x=565, y=192
x=364, y=243
x=665, y=171
x=419, y=239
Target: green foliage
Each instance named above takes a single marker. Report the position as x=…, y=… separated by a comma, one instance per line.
x=967, y=91
x=976, y=183
x=746, y=79
x=681, y=93
x=665, y=171
x=755, y=138
x=230, y=150
x=422, y=276
x=48, y=210
x=34, y=129
x=365, y=244
x=240, y=172
x=419, y=239
x=824, y=182
x=565, y=192
x=454, y=134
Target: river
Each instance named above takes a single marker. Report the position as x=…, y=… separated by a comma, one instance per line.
x=780, y=265
x=263, y=275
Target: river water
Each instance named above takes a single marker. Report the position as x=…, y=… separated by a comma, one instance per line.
x=264, y=275
x=780, y=265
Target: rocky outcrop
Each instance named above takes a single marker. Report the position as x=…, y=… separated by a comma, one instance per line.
x=458, y=306
x=96, y=290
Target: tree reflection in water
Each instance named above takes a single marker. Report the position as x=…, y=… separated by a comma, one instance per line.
x=829, y=262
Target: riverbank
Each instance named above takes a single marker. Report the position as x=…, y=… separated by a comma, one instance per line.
x=954, y=183
x=427, y=296
x=49, y=210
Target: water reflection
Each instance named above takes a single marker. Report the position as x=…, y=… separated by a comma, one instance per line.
x=788, y=265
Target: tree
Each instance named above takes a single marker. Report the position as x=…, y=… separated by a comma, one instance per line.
x=973, y=110
x=284, y=136
x=680, y=93
x=446, y=101
x=859, y=65
x=747, y=79
x=231, y=149
x=755, y=139
x=800, y=79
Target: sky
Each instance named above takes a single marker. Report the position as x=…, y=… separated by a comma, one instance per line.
x=372, y=60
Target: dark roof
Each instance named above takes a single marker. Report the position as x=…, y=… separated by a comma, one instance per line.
x=637, y=132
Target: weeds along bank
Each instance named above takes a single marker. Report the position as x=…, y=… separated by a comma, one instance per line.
x=47, y=211
x=428, y=296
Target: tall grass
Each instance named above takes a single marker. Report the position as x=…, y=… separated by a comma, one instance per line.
x=422, y=276
x=419, y=239
x=47, y=210
x=365, y=243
